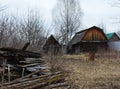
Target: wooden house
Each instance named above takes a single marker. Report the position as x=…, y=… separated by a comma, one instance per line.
x=51, y=46
x=91, y=39
x=114, y=41
x=113, y=36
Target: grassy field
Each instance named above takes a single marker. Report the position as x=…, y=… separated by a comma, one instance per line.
x=103, y=73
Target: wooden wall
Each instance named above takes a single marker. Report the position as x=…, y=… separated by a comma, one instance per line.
x=89, y=46
x=94, y=35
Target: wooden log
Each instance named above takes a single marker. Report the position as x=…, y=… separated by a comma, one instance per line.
x=31, y=61
x=17, y=80
x=8, y=73
x=48, y=81
x=63, y=84
x=41, y=77
x=3, y=72
x=36, y=82
x=28, y=65
x=36, y=85
x=25, y=46
x=19, y=52
x=25, y=78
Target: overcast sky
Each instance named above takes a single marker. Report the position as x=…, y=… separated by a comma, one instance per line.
x=95, y=12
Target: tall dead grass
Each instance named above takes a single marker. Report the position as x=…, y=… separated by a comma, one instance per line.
x=103, y=73
x=56, y=63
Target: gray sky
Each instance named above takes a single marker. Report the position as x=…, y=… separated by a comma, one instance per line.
x=95, y=12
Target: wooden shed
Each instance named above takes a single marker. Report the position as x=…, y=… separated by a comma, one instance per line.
x=114, y=41
x=91, y=39
x=51, y=46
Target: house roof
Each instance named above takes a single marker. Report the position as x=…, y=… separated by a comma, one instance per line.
x=79, y=36
x=109, y=35
x=115, y=36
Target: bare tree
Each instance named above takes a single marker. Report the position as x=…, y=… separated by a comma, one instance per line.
x=15, y=32
x=32, y=30
x=7, y=30
x=67, y=18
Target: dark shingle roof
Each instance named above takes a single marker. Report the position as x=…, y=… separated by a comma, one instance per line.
x=77, y=38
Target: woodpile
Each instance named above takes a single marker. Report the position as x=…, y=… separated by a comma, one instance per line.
x=17, y=57
x=12, y=52
x=33, y=73
x=49, y=81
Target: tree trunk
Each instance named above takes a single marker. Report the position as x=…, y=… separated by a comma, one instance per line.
x=91, y=56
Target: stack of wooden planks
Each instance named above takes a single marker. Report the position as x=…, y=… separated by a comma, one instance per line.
x=39, y=76
x=21, y=59
x=14, y=55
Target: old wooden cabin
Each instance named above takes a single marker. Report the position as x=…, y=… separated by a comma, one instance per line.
x=51, y=46
x=91, y=39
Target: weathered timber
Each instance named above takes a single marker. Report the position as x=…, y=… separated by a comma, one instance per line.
x=19, y=52
x=47, y=86
x=28, y=65
x=13, y=55
x=40, y=81
x=31, y=83
x=63, y=84
x=29, y=62
x=13, y=52
x=25, y=46
x=29, y=75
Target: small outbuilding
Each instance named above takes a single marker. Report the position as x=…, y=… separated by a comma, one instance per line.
x=114, y=41
x=113, y=36
x=89, y=40
x=51, y=46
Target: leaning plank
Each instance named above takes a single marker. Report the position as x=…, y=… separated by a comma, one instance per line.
x=36, y=61
x=58, y=76
x=48, y=81
x=40, y=77
x=28, y=65
x=26, y=45
x=20, y=52
x=25, y=78
x=36, y=82
x=63, y=84
x=17, y=80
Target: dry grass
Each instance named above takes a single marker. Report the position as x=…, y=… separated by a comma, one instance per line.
x=103, y=73
x=56, y=63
